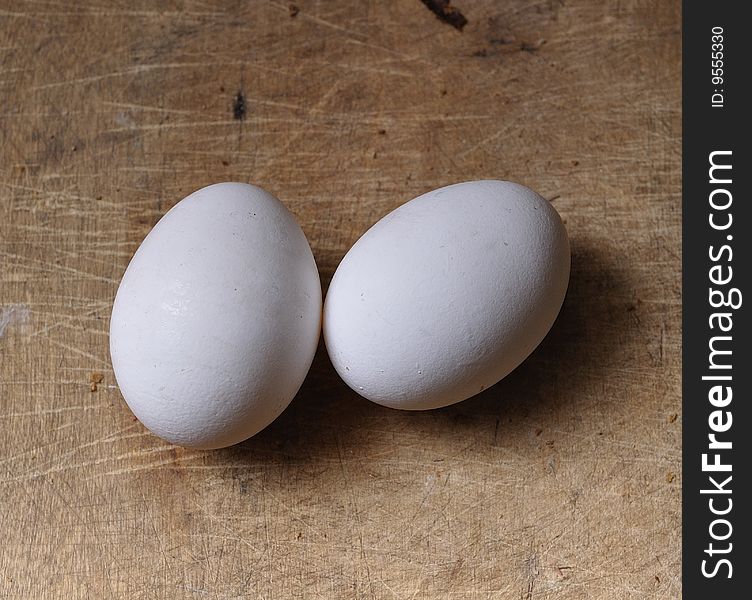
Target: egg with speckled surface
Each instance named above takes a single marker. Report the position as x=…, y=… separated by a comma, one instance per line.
x=217, y=318
x=447, y=294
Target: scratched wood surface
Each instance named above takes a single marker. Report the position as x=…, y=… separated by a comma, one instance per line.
x=563, y=481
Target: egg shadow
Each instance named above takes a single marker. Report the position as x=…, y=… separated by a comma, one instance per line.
x=327, y=418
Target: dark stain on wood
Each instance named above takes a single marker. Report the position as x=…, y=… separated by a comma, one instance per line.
x=238, y=106
x=447, y=13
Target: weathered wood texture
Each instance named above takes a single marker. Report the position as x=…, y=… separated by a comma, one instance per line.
x=561, y=482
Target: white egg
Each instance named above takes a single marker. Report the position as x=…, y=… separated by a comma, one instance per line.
x=217, y=318
x=447, y=294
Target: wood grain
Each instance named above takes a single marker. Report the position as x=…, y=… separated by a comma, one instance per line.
x=563, y=481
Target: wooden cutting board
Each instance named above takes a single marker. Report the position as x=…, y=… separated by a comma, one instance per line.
x=563, y=481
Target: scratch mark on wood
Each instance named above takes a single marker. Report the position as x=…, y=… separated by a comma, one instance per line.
x=356, y=514
x=50, y=411
x=330, y=25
